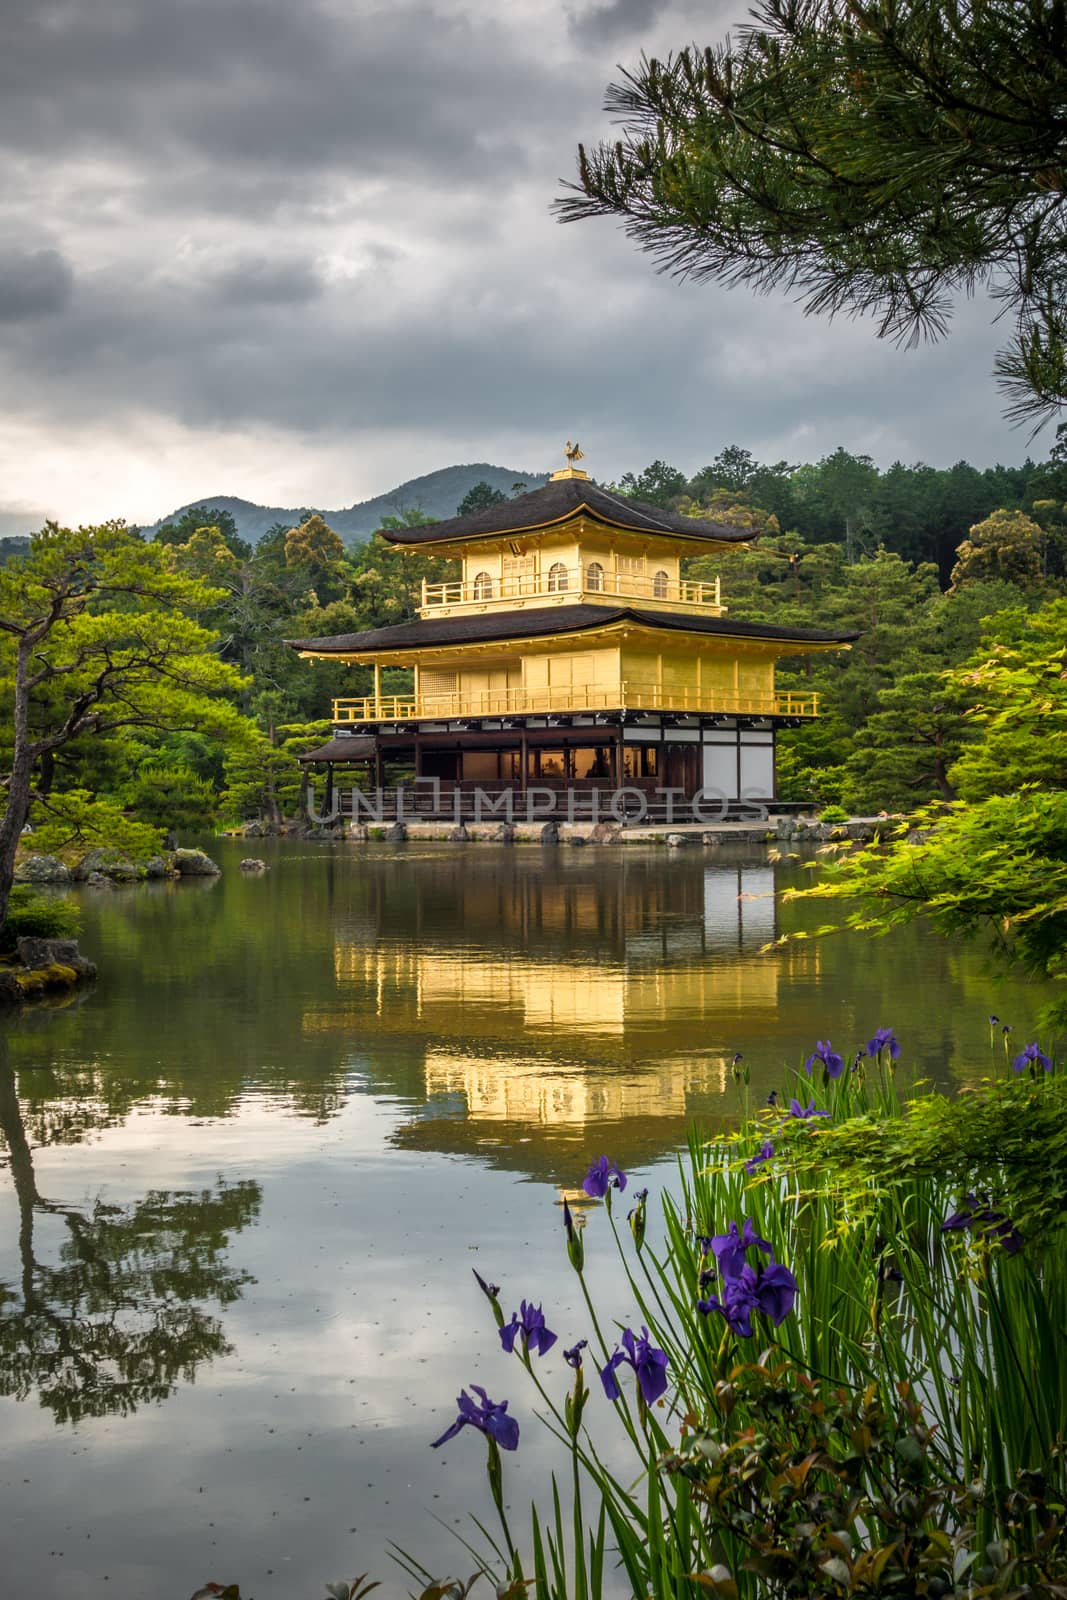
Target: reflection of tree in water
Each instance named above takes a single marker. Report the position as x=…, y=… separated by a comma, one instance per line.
x=117, y=1318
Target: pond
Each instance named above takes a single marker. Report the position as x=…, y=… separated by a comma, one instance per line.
x=245, y=1178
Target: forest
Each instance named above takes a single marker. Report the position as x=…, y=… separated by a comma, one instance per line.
x=939, y=570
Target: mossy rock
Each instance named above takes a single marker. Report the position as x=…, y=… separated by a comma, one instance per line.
x=40, y=980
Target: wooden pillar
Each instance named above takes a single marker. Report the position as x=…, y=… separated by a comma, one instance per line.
x=377, y=689
x=617, y=779
x=524, y=758
x=329, y=788
x=377, y=765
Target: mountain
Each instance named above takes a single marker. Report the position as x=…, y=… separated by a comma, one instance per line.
x=436, y=494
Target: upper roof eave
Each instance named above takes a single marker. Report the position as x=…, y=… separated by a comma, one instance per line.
x=499, y=627
x=555, y=504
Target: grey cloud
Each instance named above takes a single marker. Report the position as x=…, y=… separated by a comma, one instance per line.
x=619, y=19
x=332, y=222
x=265, y=283
x=33, y=284
x=271, y=88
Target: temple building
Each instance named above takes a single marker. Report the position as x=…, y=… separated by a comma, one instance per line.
x=571, y=657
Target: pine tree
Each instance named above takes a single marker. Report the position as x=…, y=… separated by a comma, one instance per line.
x=879, y=156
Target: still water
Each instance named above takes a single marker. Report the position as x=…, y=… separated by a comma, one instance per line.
x=244, y=1179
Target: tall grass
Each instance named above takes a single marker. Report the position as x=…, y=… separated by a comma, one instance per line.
x=901, y=1431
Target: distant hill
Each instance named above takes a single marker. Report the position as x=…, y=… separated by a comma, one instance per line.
x=13, y=544
x=436, y=494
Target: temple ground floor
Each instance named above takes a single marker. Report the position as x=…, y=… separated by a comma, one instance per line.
x=627, y=768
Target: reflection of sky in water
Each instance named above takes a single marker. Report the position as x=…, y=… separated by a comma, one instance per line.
x=408, y=1054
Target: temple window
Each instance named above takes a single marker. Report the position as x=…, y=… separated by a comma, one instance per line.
x=557, y=577
x=483, y=586
x=640, y=761
x=594, y=575
x=660, y=585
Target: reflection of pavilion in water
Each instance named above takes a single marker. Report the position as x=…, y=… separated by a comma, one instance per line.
x=566, y=999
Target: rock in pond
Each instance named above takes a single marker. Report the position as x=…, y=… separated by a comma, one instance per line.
x=194, y=864
x=253, y=864
x=41, y=869
x=110, y=863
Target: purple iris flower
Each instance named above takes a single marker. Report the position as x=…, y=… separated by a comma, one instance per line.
x=730, y=1247
x=993, y=1021
x=602, y=1175
x=805, y=1112
x=490, y=1290
x=979, y=1217
x=884, y=1039
x=771, y=1290
x=1028, y=1057
x=772, y=1098
x=704, y=1243
x=649, y=1364
x=829, y=1057
x=529, y=1320
x=488, y=1416
x=573, y=1356
x=764, y=1153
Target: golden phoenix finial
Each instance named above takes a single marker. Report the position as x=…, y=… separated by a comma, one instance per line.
x=573, y=452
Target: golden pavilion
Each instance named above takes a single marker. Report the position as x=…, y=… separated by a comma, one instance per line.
x=573, y=658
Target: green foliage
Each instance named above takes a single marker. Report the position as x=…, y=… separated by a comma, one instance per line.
x=997, y=868
x=70, y=823
x=1017, y=684
x=658, y=485
x=902, y=755
x=1008, y=545
x=878, y=158
x=833, y=814
x=171, y=797
x=984, y=1138
x=480, y=498
x=205, y=519
x=996, y=862
x=264, y=781
x=31, y=914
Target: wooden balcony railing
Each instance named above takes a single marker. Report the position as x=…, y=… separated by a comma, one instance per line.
x=617, y=697
x=574, y=581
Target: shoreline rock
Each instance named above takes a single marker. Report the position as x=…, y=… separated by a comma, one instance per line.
x=46, y=966
x=47, y=870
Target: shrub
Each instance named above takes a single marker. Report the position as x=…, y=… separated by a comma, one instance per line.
x=31, y=914
x=833, y=814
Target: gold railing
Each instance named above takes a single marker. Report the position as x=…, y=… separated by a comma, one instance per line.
x=619, y=697
x=573, y=581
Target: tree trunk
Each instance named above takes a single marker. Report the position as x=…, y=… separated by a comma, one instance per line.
x=21, y=779
x=941, y=779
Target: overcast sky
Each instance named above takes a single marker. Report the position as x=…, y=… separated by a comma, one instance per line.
x=301, y=252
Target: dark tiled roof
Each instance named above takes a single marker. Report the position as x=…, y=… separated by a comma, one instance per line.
x=559, y=500
x=492, y=625
x=343, y=747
